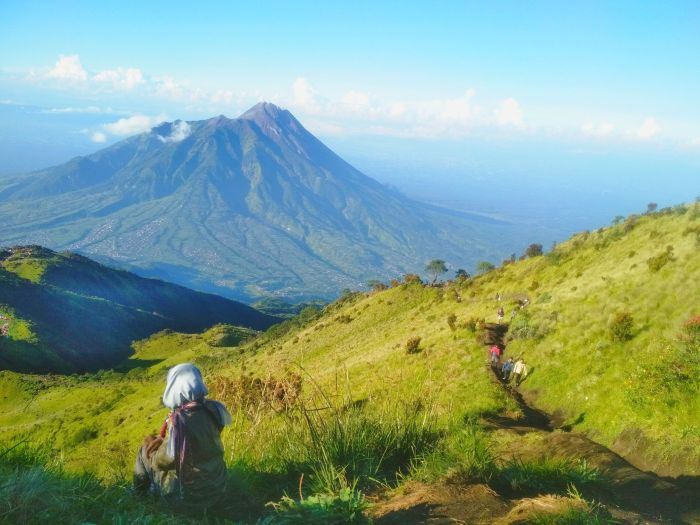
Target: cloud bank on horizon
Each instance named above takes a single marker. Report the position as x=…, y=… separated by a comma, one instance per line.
x=619, y=73
x=352, y=112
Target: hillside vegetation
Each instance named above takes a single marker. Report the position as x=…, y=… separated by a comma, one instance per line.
x=381, y=391
x=67, y=313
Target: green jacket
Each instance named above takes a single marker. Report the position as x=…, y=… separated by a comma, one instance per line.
x=202, y=479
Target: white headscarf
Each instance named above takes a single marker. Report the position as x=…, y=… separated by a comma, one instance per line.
x=184, y=384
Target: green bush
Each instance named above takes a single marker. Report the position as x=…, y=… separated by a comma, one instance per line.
x=412, y=278
x=346, y=506
x=484, y=267
x=452, y=322
x=413, y=345
x=690, y=335
x=620, y=326
x=659, y=261
x=534, y=250
x=524, y=327
x=473, y=323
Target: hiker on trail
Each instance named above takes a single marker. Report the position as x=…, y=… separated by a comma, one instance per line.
x=501, y=314
x=506, y=369
x=519, y=371
x=495, y=355
x=185, y=463
x=513, y=314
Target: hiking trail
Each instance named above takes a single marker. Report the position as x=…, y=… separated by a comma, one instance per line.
x=634, y=497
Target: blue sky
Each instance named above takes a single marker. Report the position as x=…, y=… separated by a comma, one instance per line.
x=614, y=70
x=423, y=95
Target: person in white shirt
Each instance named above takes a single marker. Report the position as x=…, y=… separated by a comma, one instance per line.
x=519, y=371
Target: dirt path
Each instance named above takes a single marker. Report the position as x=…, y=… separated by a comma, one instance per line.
x=636, y=497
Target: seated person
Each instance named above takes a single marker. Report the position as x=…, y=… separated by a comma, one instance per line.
x=185, y=463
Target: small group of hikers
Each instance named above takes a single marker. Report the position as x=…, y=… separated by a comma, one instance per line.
x=184, y=463
x=511, y=369
x=502, y=313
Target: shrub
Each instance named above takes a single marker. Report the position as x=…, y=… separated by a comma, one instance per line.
x=251, y=394
x=659, y=261
x=690, y=335
x=534, y=285
x=413, y=345
x=346, y=506
x=629, y=224
x=484, y=267
x=376, y=286
x=554, y=257
x=462, y=275
x=534, y=250
x=473, y=323
x=452, y=322
x=620, y=326
x=412, y=278
x=523, y=327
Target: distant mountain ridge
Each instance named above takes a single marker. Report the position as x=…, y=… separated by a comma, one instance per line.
x=67, y=313
x=246, y=207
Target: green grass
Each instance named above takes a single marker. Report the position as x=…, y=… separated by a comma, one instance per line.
x=546, y=476
x=345, y=507
x=368, y=414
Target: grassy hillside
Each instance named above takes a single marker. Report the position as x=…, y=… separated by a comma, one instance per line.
x=67, y=313
x=337, y=396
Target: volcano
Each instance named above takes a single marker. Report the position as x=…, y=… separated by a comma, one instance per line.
x=245, y=207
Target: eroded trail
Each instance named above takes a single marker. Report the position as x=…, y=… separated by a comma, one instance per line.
x=634, y=497
x=654, y=498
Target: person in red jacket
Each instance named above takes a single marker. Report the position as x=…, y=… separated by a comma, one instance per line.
x=495, y=355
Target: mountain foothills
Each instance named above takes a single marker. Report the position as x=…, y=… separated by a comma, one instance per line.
x=389, y=393
x=246, y=207
x=64, y=312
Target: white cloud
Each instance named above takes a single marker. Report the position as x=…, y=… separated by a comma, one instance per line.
x=68, y=67
x=355, y=100
x=120, y=78
x=98, y=137
x=603, y=129
x=133, y=125
x=168, y=87
x=180, y=130
x=509, y=113
x=88, y=109
x=224, y=96
x=648, y=129
x=304, y=96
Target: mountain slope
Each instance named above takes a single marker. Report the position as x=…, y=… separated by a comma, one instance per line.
x=246, y=207
x=67, y=313
x=639, y=396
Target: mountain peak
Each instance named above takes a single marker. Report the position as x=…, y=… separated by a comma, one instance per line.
x=263, y=109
